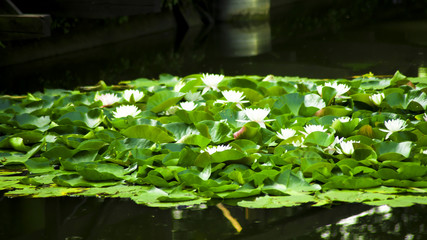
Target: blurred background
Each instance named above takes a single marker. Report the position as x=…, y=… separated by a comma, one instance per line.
x=69, y=43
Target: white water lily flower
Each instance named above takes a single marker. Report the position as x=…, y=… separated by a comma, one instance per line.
x=347, y=147
x=234, y=96
x=299, y=143
x=377, y=98
x=343, y=119
x=286, y=133
x=137, y=95
x=107, y=99
x=256, y=115
x=188, y=106
x=126, y=110
x=393, y=125
x=313, y=128
x=172, y=110
x=339, y=87
x=269, y=78
x=192, y=97
x=214, y=149
x=178, y=86
x=211, y=81
x=152, y=89
x=331, y=148
x=425, y=151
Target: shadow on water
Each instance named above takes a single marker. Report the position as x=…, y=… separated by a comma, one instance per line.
x=93, y=218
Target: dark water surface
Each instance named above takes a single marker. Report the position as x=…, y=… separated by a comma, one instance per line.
x=92, y=218
x=333, y=43
x=330, y=41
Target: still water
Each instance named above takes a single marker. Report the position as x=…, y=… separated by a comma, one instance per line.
x=92, y=218
x=297, y=40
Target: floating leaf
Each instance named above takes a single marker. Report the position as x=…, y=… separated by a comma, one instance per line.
x=95, y=171
x=75, y=180
x=227, y=155
x=328, y=94
x=218, y=132
x=292, y=101
x=393, y=150
x=91, y=144
x=194, y=139
x=288, y=181
x=152, y=133
x=319, y=138
x=162, y=100
x=79, y=157
x=350, y=182
x=353, y=196
x=277, y=201
x=27, y=121
x=91, y=118
x=39, y=165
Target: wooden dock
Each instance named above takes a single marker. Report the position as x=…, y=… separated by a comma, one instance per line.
x=16, y=25
x=90, y=9
x=29, y=19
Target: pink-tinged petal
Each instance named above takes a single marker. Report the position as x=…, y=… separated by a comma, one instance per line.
x=239, y=133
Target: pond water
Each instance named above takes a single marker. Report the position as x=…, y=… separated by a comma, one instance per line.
x=331, y=41
x=320, y=47
x=92, y=218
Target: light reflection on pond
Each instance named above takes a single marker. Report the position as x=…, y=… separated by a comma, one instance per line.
x=297, y=41
x=94, y=218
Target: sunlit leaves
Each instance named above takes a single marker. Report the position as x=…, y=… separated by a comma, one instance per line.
x=393, y=150
x=83, y=117
x=340, y=142
x=148, y=132
x=277, y=202
x=162, y=100
x=27, y=121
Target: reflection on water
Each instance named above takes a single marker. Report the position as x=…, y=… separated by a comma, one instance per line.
x=244, y=40
x=92, y=218
x=304, y=38
x=232, y=10
x=422, y=71
x=380, y=222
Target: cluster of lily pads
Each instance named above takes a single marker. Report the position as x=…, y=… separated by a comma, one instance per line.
x=260, y=141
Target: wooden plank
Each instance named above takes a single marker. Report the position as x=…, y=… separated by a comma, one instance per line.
x=160, y=25
x=91, y=9
x=24, y=26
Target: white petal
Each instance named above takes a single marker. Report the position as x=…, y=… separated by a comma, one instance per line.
x=286, y=133
x=188, y=106
x=137, y=95
x=126, y=110
x=107, y=99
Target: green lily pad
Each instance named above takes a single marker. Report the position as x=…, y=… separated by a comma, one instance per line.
x=393, y=150
x=152, y=133
x=163, y=100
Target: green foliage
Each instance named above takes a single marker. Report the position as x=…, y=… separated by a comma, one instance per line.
x=341, y=147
